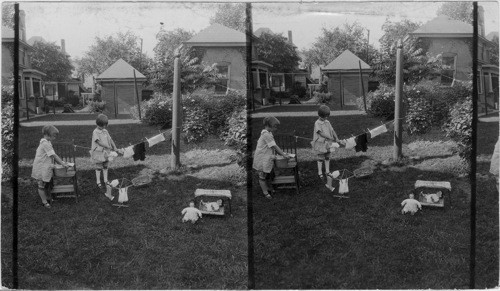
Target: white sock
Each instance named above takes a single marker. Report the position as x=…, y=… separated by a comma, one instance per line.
x=105, y=174
x=327, y=166
x=98, y=176
x=320, y=167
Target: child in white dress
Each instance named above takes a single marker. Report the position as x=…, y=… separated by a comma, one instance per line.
x=263, y=159
x=323, y=138
x=102, y=145
x=43, y=164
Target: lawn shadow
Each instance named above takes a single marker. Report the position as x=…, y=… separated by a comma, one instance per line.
x=318, y=241
x=84, y=244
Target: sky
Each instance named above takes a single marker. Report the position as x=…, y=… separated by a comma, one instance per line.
x=78, y=23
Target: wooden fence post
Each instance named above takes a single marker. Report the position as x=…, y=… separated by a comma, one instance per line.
x=176, y=122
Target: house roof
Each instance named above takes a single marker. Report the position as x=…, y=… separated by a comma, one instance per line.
x=120, y=70
x=346, y=61
x=444, y=25
x=218, y=35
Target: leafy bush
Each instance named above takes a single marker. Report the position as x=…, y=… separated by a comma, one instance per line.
x=299, y=90
x=218, y=108
x=236, y=136
x=194, y=124
x=379, y=103
x=53, y=103
x=419, y=116
x=459, y=127
x=7, y=131
x=73, y=99
x=156, y=111
x=96, y=106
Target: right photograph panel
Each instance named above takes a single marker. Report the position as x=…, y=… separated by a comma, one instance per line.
x=361, y=124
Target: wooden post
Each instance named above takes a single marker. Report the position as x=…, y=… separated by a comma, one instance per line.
x=137, y=94
x=114, y=99
x=398, y=140
x=362, y=84
x=176, y=125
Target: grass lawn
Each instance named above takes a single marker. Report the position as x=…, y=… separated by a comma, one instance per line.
x=93, y=245
x=316, y=241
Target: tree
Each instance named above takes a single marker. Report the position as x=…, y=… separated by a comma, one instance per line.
x=230, y=15
x=494, y=50
x=417, y=64
x=107, y=50
x=334, y=41
x=457, y=10
x=48, y=58
x=193, y=74
x=276, y=50
x=8, y=15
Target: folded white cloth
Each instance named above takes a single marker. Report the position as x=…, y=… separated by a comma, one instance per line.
x=112, y=155
x=128, y=152
x=156, y=139
x=350, y=143
x=122, y=195
x=379, y=130
x=114, y=183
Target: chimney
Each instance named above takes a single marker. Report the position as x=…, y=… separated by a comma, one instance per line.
x=290, y=37
x=22, y=25
x=480, y=20
x=63, y=46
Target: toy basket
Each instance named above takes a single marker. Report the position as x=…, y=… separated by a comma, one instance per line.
x=363, y=172
x=213, y=202
x=61, y=171
x=432, y=193
x=282, y=162
x=141, y=180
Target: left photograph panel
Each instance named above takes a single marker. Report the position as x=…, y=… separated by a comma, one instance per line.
x=131, y=145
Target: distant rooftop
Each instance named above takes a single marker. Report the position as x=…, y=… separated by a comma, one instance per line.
x=121, y=70
x=444, y=25
x=218, y=35
x=346, y=61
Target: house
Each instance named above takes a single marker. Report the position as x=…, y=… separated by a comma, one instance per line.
x=288, y=81
x=451, y=39
x=118, y=86
x=227, y=48
x=68, y=90
x=343, y=79
x=30, y=80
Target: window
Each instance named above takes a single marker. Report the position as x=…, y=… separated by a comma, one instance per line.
x=448, y=69
x=263, y=79
x=223, y=81
x=277, y=80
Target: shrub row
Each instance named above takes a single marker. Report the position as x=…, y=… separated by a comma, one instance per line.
x=425, y=104
x=203, y=112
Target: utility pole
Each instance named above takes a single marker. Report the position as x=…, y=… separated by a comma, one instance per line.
x=140, y=60
x=367, y=43
x=176, y=122
x=398, y=139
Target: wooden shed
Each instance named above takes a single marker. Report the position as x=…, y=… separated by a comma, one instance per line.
x=118, y=90
x=344, y=80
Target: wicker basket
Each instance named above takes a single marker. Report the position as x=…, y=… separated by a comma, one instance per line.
x=141, y=180
x=60, y=171
x=363, y=172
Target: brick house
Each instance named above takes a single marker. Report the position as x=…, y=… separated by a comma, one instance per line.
x=452, y=39
x=117, y=86
x=30, y=80
x=343, y=79
x=227, y=48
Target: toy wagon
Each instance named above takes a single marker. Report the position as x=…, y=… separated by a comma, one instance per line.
x=432, y=193
x=213, y=202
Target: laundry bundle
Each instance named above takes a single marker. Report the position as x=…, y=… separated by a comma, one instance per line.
x=360, y=142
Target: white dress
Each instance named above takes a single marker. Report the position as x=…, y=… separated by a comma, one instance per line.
x=191, y=214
